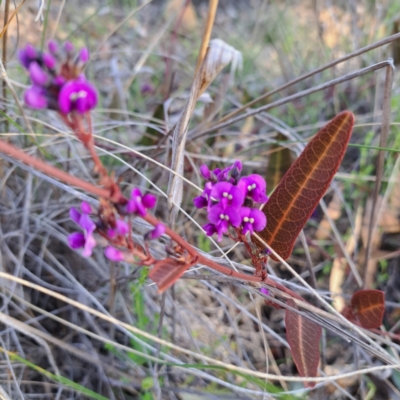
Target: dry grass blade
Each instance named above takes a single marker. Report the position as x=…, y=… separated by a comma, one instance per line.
x=298, y=95
x=356, y=53
x=183, y=350
x=386, y=107
x=7, y=21
x=219, y=55
x=212, y=10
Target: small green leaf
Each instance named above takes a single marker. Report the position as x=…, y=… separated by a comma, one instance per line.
x=147, y=383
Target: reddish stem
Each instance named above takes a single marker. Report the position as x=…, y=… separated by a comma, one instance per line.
x=116, y=197
x=47, y=169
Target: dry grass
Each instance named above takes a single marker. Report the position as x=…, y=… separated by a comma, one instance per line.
x=70, y=323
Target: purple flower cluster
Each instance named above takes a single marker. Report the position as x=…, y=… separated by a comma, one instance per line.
x=136, y=205
x=58, y=82
x=231, y=200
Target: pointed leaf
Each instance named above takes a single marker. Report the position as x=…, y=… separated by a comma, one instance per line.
x=303, y=336
x=166, y=272
x=369, y=306
x=304, y=184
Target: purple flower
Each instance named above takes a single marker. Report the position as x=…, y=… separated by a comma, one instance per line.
x=35, y=97
x=200, y=202
x=233, y=170
x=121, y=228
x=205, y=199
x=228, y=194
x=68, y=46
x=252, y=220
x=158, y=231
x=210, y=229
x=37, y=74
x=222, y=217
x=52, y=46
x=264, y=291
x=77, y=95
x=138, y=204
x=205, y=172
x=84, y=55
x=58, y=81
x=146, y=88
x=49, y=61
x=27, y=55
x=86, y=207
x=78, y=239
x=254, y=186
x=113, y=254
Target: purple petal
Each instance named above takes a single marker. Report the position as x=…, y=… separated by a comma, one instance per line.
x=214, y=215
x=85, y=207
x=208, y=189
x=87, y=99
x=84, y=55
x=76, y=240
x=68, y=46
x=238, y=165
x=122, y=227
x=234, y=217
x=244, y=212
x=64, y=101
x=87, y=224
x=140, y=208
x=222, y=227
x=77, y=95
x=27, y=55
x=255, y=187
x=89, y=246
x=252, y=220
x=52, y=46
x=37, y=74
x=247, y=227
x=157, y=231
x=23, y=58
x=200, y=202
x=260, y=219
x=237, y=197
x=59, y=80
x=113, y=254
x=75, y=215
x=149, y=200
x=136, y=193
x=205, y=172
x=210, y=229
x=31, y=52
x=264, y=291
x=49, y=61
x=146, y=88
x=35, y=97
x=220, y=189
x=131, y=207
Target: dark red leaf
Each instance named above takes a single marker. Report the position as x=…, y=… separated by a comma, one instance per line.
x=349, y=314
x=302, y=187
x=369, y=307
x=303, y=336
x=166, y=272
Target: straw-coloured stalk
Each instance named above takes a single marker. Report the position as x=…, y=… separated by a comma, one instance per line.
x=219, y=55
